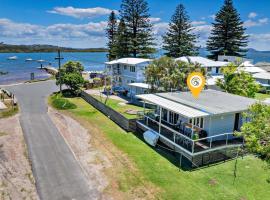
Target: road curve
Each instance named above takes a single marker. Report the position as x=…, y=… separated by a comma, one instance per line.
x=58, y=175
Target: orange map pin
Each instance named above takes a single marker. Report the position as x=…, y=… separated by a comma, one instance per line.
x=196, y=82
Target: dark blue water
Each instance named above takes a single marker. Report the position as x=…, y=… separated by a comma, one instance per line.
x=19, y=70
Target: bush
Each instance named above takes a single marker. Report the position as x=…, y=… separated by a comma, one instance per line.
x=62, y=103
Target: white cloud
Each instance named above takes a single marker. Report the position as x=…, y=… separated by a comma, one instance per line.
x=259, y=22
x=196, y=23
x=154, y=19
x=259, y=41
x=212, y=16
x=252, y=15
x=80, y=35
x=81, y=12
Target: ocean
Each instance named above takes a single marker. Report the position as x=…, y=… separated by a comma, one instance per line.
x=19, y=70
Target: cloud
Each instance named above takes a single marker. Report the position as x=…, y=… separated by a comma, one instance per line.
x=196, y=23
x=86, y=35
x=259, y=41
x=81, y=12
x=259, y=22
x=252, y=15
x=154, y=19
x=212, y=16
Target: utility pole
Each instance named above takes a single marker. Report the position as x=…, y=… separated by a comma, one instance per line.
x=59, y=58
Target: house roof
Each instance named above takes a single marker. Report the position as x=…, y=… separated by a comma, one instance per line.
x=263, y=65
x=211, y=101
x=175, y=107
x=140, y=85
x=262, y=75
x=205, y=62
x=247, y=63
x=213, y=79
x=128, y=61
x=251, y=70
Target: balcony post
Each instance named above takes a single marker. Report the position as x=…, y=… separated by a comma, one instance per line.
x=193, y=144
x=227, y=139
x=192, y=131
x=144, y=107
x=211, y=142
x=160, y=113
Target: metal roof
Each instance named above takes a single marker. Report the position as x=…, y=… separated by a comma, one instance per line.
x=262, y=75
x=140, y=85
x=211, y=101
x=205, y=62
x=175, y=107
x=128, y=61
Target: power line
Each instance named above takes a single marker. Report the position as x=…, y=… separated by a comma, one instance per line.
x=59, y=58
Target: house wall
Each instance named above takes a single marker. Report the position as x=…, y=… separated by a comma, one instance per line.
x=219, y=124
x=263, y=81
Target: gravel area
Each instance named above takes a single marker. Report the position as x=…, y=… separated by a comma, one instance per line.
x=16, y=178
x=91, y=160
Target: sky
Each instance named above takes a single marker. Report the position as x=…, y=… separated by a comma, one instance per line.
x=81, y=23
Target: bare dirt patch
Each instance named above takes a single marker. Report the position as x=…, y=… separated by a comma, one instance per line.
x=110, y=168
x=16, y=178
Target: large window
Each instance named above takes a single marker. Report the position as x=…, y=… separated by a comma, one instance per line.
x=199, y=122
x=132, y=69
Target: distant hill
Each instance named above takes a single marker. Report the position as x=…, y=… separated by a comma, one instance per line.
x=8, y=48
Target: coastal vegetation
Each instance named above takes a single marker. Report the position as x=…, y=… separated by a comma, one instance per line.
x=179, y=40
x=256, y=131
x=137, y=29
x=228, y=34
x=238, y=82
x=166, y=74
x=70, y=74
x=144, y=166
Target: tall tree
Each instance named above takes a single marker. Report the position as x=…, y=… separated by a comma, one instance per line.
x=228, y=34
x=122, y=41
x=179, y=39
x=111, y=35
x=136, y=15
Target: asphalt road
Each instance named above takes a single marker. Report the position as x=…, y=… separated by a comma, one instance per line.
x=58, y=175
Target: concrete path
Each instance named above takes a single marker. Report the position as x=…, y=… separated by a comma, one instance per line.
x=58, y=175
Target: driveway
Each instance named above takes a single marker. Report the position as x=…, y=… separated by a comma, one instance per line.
x=58, y=175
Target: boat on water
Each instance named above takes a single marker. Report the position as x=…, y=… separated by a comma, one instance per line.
x=12, y=58
x=28, y=59
x=40, y=61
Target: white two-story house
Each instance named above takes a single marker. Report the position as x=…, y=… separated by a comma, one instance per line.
x=125, y=71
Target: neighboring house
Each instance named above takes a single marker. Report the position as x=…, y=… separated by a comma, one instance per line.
x=263, y=79
x=125, y=71
x=251, y=70
x=202, y=130
x=234, y=59
x=263, y=65
x=212, y=67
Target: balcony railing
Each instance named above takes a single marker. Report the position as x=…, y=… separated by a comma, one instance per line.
x=190, y=145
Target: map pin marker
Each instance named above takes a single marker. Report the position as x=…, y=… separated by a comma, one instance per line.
x=196, y=82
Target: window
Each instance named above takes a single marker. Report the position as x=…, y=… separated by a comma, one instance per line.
x=125, y=67
x=237, y=122
x=209, y=69
x=132, y=81
x=132, y=68
x=217, y=70
x=197, y=122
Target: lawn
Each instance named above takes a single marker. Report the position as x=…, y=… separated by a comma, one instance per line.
x=261, y=96
x=10, y=111
x=119, y=106
x=214, y=182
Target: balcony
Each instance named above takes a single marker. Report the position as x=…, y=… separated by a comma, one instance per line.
x=184, y=140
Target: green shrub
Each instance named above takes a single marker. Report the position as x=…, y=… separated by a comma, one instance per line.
x=62, y=103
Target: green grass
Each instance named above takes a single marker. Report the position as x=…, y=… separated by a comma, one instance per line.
x=10, y=111
x=251, y=182
x=261, y=96
x=116, y=105
x=60, y=103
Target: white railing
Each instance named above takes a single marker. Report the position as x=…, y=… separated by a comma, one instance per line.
x=189, y=143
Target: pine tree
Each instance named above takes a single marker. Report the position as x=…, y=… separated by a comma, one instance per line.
x=135, y=13
x=122, y=42
x=228, y=34
x=111, y=35
x=179, y=39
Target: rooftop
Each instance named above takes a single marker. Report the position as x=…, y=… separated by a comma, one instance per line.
x=210, y=102
x=205, y=62
x=262, y=75
x=128, y=61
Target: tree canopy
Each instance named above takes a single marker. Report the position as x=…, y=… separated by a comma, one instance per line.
x=111, y=31
x=179, y=39
x=70, y=75
x=166, y=74
x=236, y=81
x=228, y=34
x=257, y=130
x=135, y=14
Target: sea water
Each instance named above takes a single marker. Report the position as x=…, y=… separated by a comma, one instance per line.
x=20, y=70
